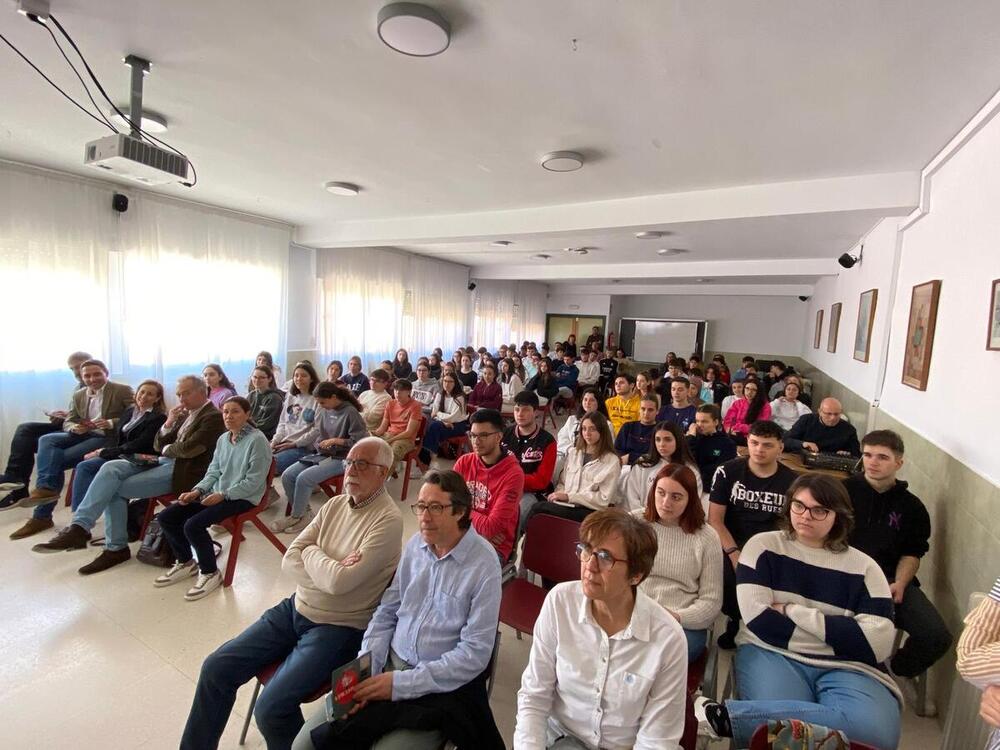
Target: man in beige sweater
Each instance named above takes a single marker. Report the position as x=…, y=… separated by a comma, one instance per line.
x=341, y=563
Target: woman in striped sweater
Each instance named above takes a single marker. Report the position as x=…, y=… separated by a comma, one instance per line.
x=817, y=627
x=979, y=658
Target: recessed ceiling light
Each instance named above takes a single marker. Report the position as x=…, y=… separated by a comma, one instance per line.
x=540, y=256
x=413, y=29
x=342, y=188
x=704, y=281
x=562, y=161
x=576, y=250
x=501, y=243
x=670, y=251
x=650, y=235
x=152, y=122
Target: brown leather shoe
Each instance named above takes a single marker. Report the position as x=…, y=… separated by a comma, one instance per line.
x=107, y=559
x=72, y=537
x=38, y=496
x=31, y=527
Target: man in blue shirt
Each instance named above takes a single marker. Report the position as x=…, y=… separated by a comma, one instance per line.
x=431, y=639
x=566, y=376
x=634, y=438
x=680, y=410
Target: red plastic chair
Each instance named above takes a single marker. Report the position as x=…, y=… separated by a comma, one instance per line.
x=547, y=412
x=264, y=677
x=410, y=457
x=549, y=543
x=331, y=488
x=69, y=489
x=759, y=741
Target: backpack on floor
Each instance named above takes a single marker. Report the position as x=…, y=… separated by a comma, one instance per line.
x=154, y=549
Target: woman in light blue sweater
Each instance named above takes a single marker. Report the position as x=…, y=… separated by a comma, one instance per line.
x=233, y=483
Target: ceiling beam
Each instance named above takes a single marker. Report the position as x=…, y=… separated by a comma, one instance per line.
x=665, y=270
x=698, y=290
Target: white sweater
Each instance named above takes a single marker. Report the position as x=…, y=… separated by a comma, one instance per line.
x=787, y=413
x=569, y=432
x=592, y=485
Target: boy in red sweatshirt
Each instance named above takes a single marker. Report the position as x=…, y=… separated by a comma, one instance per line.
x=495, y=480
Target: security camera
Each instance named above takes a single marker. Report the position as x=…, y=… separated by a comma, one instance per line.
x=119, y=203
x=803, y=298
x=472, y=285
x=847, y=260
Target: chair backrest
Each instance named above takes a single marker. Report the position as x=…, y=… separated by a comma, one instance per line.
x=549, y=547
x=267, y=485
x=418, y=439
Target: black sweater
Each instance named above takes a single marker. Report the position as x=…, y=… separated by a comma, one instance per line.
x=139, y=439
x=709, y=452
x=888, y=525
x=809, y=429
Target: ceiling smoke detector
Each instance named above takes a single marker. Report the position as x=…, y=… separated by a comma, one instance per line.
x=650, y=235
x=341, y=188
x=413, y=29
x=540, y=256
x=562, y=161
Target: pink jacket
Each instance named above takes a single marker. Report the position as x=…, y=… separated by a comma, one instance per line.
x=736, y=417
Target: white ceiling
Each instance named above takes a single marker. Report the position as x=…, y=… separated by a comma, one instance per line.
x=775, y=130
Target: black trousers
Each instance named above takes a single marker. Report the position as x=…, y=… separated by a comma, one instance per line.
x=730, y=605
x=23, y=447
x=186, y=527
x=929, y=638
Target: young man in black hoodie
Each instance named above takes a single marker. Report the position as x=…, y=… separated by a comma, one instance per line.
x=709, y=445
x=892, y=527
x=535, y=449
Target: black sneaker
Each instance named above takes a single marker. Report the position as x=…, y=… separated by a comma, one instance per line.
x=727, y=640
x=10, y=499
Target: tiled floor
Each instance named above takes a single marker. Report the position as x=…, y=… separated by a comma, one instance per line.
x=109, y=661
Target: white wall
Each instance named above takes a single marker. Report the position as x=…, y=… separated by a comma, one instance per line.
x=578, y=304
x=760, y=325
x=301, y=298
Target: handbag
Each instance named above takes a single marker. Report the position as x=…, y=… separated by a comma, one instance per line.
x=154, y=549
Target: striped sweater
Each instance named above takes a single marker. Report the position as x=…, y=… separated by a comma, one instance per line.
x=838, y=608
x=979, y=646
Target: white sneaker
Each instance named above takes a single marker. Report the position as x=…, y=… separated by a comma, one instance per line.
x=204, y=586
x=11, y=486
x=292, y=524
x=178, y=572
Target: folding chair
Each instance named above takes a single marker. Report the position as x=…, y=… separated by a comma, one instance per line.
x=264, y=677
x=548, y=551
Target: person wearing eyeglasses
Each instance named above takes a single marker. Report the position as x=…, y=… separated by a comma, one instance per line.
x=430, y=639
x=495, y=480
x=817, y=627
x=340, y=564
x=608, y=665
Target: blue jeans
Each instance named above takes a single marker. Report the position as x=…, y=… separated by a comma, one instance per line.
x=772, y=686
x=57, y=452
x=117, y=481
x=301, y=480
x=697, y=640
x=309, y=652
x=286, y=458
x=438, y=432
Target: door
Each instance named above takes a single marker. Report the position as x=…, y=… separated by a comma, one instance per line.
x=559, y=327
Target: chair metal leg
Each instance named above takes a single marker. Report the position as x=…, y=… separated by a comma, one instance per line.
x=253, y=705
x=924, y=707
x=406, y=478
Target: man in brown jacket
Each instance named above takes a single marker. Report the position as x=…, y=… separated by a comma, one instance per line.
x=186, y=443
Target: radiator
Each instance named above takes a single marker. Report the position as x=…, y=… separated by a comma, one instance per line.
x=963, y=728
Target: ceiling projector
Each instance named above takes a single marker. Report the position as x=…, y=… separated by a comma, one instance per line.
x=135, y=159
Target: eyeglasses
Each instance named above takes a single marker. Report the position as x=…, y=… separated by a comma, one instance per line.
x=435, y=509
x=360, y=464
x=816, y=512
x=482, y=435
x=605, y=560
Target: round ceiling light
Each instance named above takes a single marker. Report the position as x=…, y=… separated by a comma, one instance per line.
x=652, y=235
x=413, y=29
x=152, y=122
x=540, y=256
x=501, y=243
x=342, y=188
x=562, y=161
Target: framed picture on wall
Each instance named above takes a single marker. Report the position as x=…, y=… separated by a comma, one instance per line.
x=818, y=334
x=863, y=330
x=831, y=337
x=993, y=335
x=920, y=334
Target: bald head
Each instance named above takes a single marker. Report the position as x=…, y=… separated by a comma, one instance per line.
x=830, y=411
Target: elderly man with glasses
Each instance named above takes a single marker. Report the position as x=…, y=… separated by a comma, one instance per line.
x=341, y=563
x=430, y=639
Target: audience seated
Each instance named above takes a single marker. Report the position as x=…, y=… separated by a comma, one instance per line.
x=337, y=427
x=686, y=578
x=589, y=370
x=817, y=627
x=425, y=388
x=430, y=638
x=543, y=384
x=736, y=395
x=979, y=658
x=607, y=666
x=824, y=432
x=511, y=383
x=341, y=564
x=401, y=367
x=667, y=447
x=355, y=379
x=893, y=527
x=595, y=337
x=449, y=418
x=434, y=366
x=487, y=393
x=746, y=497
x=680, y=410
x=265, y=400
x=569, y=347
x=715, y=385
x=635, y=438
x=590, y=401
x=709, y=445
x=220, y=387
x=645, y=385
x=187, y=442
x=589, y=480
x=743, y=413
x=747, y=363
x=607, y=371
x=567, y=375
x=264, y=359
x=535, y=450
x=786, y=409
x=374, y=400
x=297, y=425
x=624, y=405
x=495, y=480
x=334, y=372
x=518, y=368
x=94, y=415
x=401, y=421
x=466, y=375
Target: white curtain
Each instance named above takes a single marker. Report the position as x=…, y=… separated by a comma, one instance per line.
x=155, y=292
x=505, y=312
x=373, y=301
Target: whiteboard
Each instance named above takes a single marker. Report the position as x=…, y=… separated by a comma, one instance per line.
x=654, y=338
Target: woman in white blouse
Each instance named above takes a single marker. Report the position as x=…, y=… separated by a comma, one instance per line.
x=608, y=665
x=668, y=447
x=686, y=578
x=510, y=383
x=590, y=401
x=786, y=408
